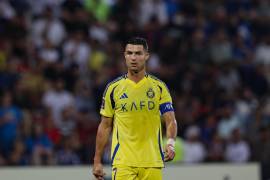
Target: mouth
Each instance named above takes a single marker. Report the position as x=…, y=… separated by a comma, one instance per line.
x=133, y=64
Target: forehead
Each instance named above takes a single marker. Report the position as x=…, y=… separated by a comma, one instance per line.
x=134, y=47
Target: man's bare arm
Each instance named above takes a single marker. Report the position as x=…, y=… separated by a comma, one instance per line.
x=171, y=132
x=103, y=134
x=171, y=124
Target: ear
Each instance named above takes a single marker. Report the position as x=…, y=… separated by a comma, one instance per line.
x=147, y=55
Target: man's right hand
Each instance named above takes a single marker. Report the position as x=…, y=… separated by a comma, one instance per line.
x=98, y=171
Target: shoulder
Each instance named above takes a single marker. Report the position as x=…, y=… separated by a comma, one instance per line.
x=161, y=85
x=154, y=78
x=112, y=84
x=116, y=81
x=157, y=81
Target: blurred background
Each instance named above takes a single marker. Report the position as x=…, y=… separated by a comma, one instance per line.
x=56, y=57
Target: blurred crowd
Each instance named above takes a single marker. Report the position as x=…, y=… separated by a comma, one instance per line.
x=56, y=57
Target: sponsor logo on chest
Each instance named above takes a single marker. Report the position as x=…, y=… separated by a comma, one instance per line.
x=137, y=105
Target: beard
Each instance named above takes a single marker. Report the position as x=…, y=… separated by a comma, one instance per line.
x=137, y=70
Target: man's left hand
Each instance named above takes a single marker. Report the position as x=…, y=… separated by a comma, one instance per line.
x=169, y=153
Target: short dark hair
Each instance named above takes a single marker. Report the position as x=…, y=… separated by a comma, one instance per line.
x=138, y=41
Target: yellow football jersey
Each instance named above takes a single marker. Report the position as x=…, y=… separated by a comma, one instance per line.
x=136, y=109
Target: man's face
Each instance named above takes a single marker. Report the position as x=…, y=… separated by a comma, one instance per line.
x=135, y=56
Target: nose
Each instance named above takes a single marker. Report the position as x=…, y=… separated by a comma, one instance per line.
x=133, y=57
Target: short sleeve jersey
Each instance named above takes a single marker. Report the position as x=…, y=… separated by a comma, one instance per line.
x=136, y=109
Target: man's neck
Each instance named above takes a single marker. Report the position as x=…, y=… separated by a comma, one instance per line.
x=136, y=77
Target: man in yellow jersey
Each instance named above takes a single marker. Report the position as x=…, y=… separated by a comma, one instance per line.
x=132, y=107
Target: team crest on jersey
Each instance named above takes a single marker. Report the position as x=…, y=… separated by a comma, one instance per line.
x=150, y=93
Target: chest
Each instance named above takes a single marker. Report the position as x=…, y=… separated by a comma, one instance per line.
x=137, y=99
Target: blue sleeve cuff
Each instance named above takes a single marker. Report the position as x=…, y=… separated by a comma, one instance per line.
x=165, y=107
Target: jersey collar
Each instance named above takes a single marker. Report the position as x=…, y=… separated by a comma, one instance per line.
x=138, y=84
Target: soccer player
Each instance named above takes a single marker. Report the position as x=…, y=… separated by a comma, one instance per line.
x=132, y=107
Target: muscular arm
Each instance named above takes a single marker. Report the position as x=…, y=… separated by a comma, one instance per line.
x=171, y=132
x=171, y=124
x=103, y=133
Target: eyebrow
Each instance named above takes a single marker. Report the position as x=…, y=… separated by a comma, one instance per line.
x=133, y=52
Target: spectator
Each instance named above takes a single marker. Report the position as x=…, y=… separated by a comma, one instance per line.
x=76, y=50
x=39, y=146
x=263, y=51
x=216, y=149
x=220, y=47
x=98, y=8
x=56, y=99
x=261, y=151
x=68, y=123
x=66, y=155
x=228, y=79
x=50, y=128
x=9, y=76
x=208, y=129
x=10, y=120
x=228, y=122
x=18, y=155
x=261, y=146
x=84, y=100
x=237, y=149
x=48, y=27
x=194, y=151
x=153, y=8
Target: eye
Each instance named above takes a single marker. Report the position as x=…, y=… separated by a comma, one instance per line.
x=139, y=53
